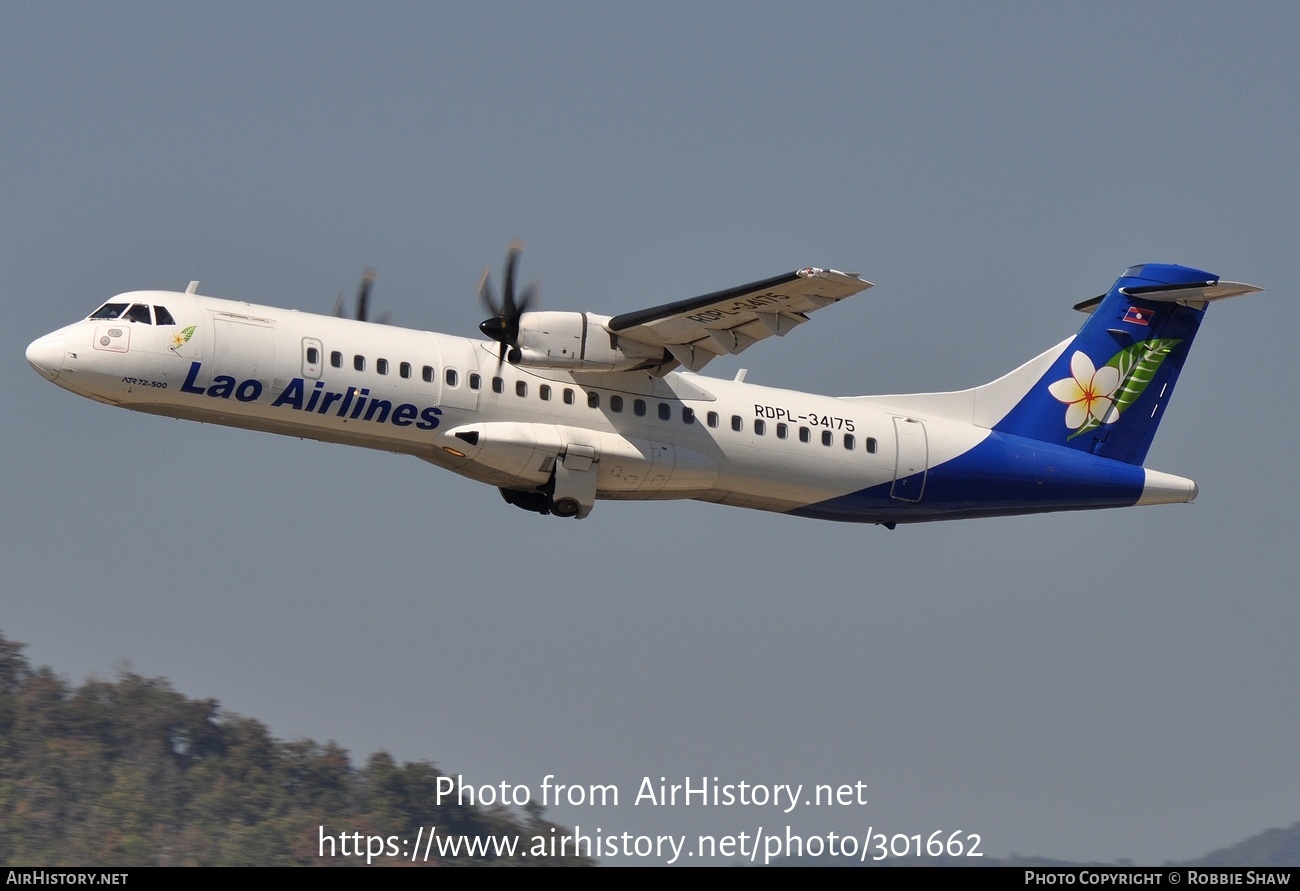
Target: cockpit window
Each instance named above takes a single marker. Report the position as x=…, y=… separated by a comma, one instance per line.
x=139, y=313
x=162, y=316
x=109, y=311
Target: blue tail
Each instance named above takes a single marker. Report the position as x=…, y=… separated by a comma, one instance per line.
x=1107, y=391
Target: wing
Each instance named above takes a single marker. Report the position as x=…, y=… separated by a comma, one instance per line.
x=697, y=330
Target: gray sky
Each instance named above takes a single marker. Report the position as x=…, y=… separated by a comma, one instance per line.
x=1104, y=685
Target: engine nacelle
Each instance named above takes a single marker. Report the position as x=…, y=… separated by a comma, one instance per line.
x=576, y=341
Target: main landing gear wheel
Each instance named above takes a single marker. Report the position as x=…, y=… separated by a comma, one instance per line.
x=566, y=507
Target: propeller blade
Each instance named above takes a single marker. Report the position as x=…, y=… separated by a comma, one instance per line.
x=503, y=325
x=512, y=260
x=363, y=293
x=525, y=299
x=485, y=292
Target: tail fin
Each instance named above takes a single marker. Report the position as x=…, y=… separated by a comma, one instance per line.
x=1106, y=392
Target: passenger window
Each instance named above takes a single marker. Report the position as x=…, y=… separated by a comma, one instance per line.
x=451, y=377
x=848, y=441
x=782, y=431
x=498, y=385
x=336, y=359
x=616, y=403
x=804, y=435
x=475, y=382
x=568, y=396
x=665, y=411
x=381, y=365
x=139, y=313
x=359, y=363
x=737, y=424
x=404, y=369
x=544, y=393
x=162, y=316
x=638, y=406
x=713, y=419
x=688, y=415
x=760, y=427
x=313, y=355
x=827, y=437
x=427, y=373
x=593, y=399
x=521, y=388
x=871, y=444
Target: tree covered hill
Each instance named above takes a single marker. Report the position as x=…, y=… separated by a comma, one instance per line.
x=132, y=773
x=1272, y=847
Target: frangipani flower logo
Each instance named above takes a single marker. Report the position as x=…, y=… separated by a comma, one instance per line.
x=1088, y=393
x=1096, y=396
x=180, y=338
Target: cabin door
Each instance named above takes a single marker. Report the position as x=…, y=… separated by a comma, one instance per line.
x=911, y=460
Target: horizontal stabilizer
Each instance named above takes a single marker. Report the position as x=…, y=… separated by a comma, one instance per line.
x=1195, y=295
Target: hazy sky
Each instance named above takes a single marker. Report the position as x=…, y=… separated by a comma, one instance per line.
x=1093, y=686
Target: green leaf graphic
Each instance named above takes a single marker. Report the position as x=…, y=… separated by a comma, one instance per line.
x=188, y=332
x=1090, y=424
x=1136, y=365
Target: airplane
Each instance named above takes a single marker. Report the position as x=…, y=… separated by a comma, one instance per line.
x=561, y=409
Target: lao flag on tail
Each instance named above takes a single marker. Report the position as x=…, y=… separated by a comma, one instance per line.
x=1138, y=316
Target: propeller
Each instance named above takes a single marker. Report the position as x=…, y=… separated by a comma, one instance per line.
x=363, y=298
x=503, y=325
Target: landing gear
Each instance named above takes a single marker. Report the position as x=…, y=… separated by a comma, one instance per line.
x=571, y=490
x=573, y=484
x=537, y=502
x=541, y=502
x=565, y=507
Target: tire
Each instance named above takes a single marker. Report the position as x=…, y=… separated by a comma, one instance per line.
x=565, y=507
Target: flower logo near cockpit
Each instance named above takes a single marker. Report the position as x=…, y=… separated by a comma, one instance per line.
x=1096, y=396
x=181, y=338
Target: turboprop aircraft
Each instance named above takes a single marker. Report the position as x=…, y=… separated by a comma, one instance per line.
x=561, y=409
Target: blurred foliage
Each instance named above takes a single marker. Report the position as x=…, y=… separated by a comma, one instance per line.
x=1272, y=847
x=132, y=773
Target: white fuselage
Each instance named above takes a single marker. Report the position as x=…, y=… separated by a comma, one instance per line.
x=449, y=401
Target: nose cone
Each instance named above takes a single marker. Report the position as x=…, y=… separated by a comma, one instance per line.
x=45, y=354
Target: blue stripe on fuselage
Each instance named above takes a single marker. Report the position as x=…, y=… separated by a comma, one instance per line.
x=1002, y=476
